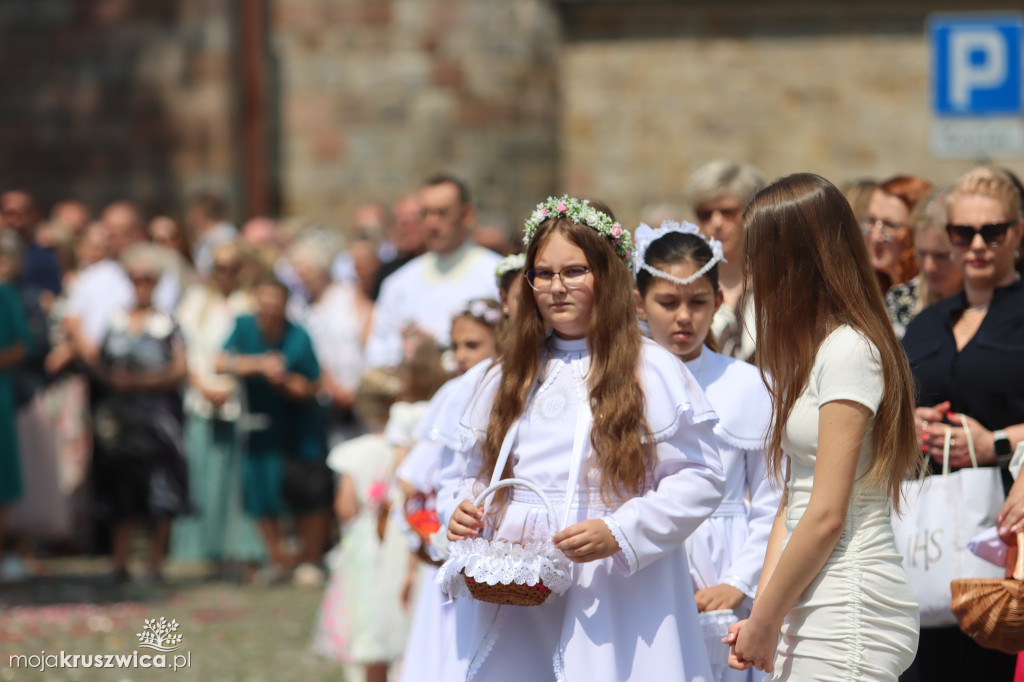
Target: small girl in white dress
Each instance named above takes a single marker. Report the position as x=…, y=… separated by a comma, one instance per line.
x=473, y=341
x=619, y=437
x=834, y=602
x=361, y=621
x=677, y=295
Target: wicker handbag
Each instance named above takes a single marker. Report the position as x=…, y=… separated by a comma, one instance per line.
x=502, y=572
x=991, y=611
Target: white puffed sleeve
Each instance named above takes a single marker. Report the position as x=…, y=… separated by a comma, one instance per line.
x=687, y=482
x=460, y=430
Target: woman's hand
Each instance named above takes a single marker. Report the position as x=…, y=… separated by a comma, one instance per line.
x=734, y=660
x=984, y=442
x=466, y=521
x=753, y=642
x=934, y=437
x=586, y=541
x=1009, y=519
x=929, y=415
x=718, y=597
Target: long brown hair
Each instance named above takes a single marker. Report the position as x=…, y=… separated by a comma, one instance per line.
x=620, y=436
x=809, y=273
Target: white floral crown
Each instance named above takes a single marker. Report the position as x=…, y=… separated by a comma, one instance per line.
x=646, y=235
x=517, y=261
x=583, y=213
x=481, y=310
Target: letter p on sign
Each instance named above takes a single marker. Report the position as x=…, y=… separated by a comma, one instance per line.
x=976, y=64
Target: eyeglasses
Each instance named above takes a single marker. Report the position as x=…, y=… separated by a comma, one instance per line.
x=543, y=280
x=869, y=225
x=705, y=214
x=143, y=279
x=993, y=234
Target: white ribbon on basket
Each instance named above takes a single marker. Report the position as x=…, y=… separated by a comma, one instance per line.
x=495, y=562
x=579, y=442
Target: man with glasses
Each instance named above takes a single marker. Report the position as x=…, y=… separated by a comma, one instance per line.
x=429, y=289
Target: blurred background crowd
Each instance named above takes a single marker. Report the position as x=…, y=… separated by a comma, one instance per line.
x=176, y=369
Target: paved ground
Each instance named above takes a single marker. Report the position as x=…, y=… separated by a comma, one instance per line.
x=230, y=632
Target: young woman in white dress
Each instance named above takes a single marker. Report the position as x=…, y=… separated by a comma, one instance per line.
x=833, y=586
x=620, y=438
x=677, y=295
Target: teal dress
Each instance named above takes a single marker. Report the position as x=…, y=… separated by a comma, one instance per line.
x=13, y=331
x=276, y=427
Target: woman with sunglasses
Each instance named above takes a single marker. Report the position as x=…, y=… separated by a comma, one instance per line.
x=718, y=192
x=967, y=356
x=142, y=474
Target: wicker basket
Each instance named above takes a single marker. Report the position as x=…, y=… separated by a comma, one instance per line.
x=991, y=611
x=512, y=593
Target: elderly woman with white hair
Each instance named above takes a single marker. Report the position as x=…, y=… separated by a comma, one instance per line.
x=141, y=473
x=337, y=317
x=718, y=192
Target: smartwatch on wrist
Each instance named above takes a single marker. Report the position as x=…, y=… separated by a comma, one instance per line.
x=1001, y=443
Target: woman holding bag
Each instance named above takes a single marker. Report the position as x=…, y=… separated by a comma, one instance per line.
x=967, y=356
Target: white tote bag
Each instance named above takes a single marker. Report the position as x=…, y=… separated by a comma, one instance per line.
x=940, y=514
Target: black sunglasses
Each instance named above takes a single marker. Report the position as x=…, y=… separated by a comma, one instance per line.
x=993, y=234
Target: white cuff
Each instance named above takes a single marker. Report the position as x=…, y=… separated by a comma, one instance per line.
x=626, y=556
x=740, y=585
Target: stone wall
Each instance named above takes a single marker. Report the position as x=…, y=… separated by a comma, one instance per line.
x=375, y=95
x=117, y=98
x=652, y=93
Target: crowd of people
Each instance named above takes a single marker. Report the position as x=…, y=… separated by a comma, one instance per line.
x=721, y=412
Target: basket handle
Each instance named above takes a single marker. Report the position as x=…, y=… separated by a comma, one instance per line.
x=1018, y=569
x=505, y=483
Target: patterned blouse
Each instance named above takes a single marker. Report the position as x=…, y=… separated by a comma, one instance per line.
x=901, y=304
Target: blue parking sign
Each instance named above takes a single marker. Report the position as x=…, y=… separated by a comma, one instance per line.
x=976, y=64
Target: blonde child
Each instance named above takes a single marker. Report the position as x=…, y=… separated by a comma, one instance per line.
x=361, y=622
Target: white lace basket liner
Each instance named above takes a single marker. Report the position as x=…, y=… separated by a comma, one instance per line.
x=499, y=562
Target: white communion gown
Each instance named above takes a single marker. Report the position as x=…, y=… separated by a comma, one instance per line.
x=858, y=620
x=427, y=656
x=631, y=616
x=729, y=547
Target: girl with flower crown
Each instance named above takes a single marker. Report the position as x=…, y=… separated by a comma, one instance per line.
x=619, y=437
x=677, y=295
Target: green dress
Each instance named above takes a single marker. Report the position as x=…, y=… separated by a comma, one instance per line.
x=277, y=427
x=13, y=331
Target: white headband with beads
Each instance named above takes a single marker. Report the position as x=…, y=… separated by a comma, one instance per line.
x=645, y=235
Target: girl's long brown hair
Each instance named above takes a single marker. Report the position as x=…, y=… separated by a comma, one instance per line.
x=620, y=436
x=809, y=272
